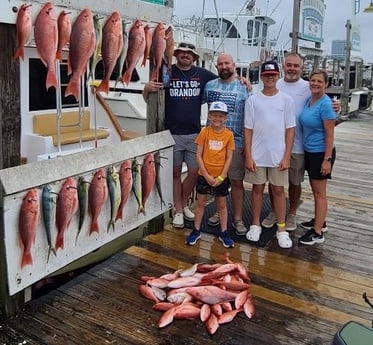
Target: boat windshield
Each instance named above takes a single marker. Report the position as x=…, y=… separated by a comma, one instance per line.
x=257, y=32
x=214, y=27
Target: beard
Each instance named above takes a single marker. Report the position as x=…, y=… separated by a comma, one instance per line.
x=225, y=74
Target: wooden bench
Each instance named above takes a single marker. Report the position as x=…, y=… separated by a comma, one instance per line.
x=46, y=125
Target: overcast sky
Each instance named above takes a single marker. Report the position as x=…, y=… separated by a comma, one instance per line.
x=336, y=15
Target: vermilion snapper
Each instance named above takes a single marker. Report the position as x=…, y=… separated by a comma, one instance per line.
x=136, y=48
x=82, y=45
x=23, y=26
x=64, y=32
x=46, y=40
x=28, y=221
x=66, y=207
x=112, y=44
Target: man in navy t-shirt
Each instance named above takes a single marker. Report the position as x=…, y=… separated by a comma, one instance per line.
x=183, y=99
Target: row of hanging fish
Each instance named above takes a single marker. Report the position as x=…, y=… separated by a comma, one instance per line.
x=213, y=293
x=76, y=196
x=89, y=40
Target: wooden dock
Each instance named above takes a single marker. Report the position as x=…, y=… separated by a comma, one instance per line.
x=302, y=295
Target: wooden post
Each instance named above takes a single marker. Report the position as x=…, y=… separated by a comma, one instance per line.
x=155, y=123
x=10, y=142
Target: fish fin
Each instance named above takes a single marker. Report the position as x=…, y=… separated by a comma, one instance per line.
x=26, y=259
x=104, y=86
x=51, y=79
x=59, y=55
x=51, y=249
x=20, y=53
x=59, y=241
x=155, y=75
x=126, y=78
x=94, y=227
x=73, y=88
x=119, y=214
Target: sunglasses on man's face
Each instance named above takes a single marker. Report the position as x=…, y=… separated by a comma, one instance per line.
x=187, y=45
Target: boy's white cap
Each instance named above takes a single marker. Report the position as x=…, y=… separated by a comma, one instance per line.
x=218, y=106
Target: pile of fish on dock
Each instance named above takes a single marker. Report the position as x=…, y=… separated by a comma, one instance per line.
x=89, y=40
x=215, y=293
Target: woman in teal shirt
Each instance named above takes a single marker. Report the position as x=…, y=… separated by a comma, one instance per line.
x=318, y=121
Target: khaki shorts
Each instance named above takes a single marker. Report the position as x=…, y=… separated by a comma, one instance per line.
x=296, y=171
x=237, y=168
x=272, y=175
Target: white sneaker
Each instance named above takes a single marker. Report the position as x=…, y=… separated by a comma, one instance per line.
x=254, y=233
x=270, y=220
x=214, y=220
x=178, y=221
x=188, y=214
x=291, y=222
x=284, y=241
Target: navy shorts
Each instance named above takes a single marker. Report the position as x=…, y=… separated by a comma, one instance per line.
x=313, y=161
x=204, y=188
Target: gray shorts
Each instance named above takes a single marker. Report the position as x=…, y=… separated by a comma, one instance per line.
x=185, y=150
x=272, y=175
x=237, y=168
x=296, y=170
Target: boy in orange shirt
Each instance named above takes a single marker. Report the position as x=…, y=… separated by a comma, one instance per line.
x=215, y=146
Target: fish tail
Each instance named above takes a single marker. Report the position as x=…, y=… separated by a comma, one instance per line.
x=141, y=209
x=144, y=61
x=110, y=224
x=20, y=53
x=104, y=86
x=59, y=55
x=51, y=249
x=73, y=88
x=119, y=213
x=126, y=78
x=155, y=75
x=94, y=227
x=51, y=79
x=59, y=241
x=26, y=259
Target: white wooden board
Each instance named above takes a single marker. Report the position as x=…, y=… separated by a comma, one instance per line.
x=18, y=180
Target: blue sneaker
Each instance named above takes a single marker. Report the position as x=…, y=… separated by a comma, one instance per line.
x=226, y=240
x=193, y=237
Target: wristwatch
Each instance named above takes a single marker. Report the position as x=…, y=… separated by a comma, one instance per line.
x=328, y=159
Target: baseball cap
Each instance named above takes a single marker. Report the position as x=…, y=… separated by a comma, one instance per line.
x=187, y=47
x=218, y=106
x=269, y=67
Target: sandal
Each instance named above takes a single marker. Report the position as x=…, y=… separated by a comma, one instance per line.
x=284, y=241
x=254, y=233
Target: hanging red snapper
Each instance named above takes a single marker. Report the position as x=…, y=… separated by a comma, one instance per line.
x=125, y=178
x=28, y=221
x=66, y=207
x=64, y=32
x=158, y=49
x=136, y=49
x=46, y=39
x=23, y=26
x=148, y=43
x=112, y=44
x=82, y=46
x=147, y=177
x=97, y=196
